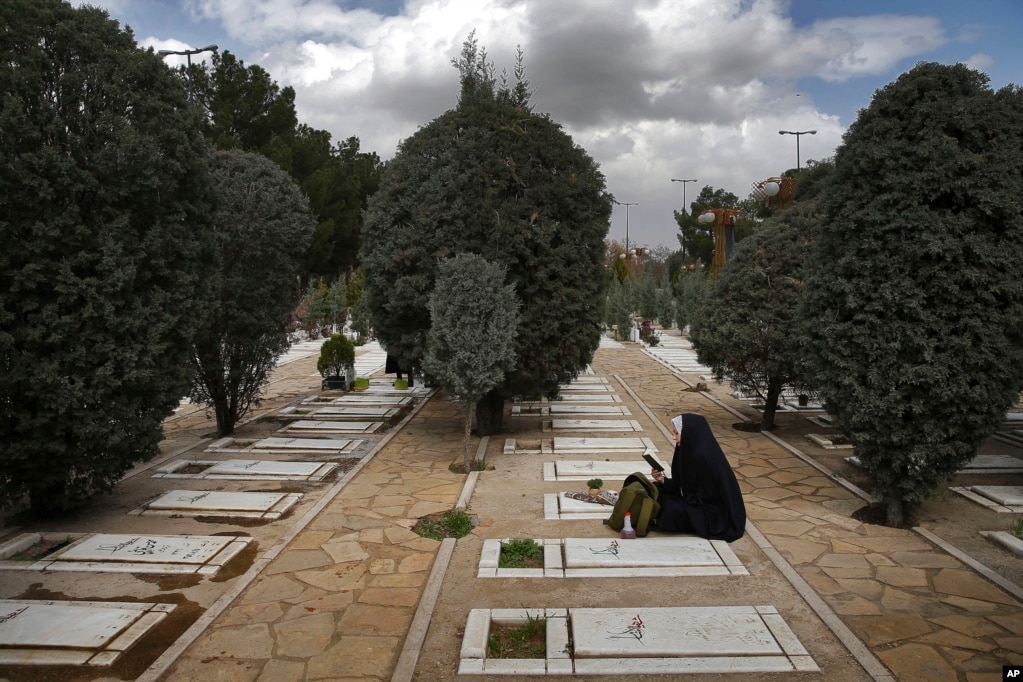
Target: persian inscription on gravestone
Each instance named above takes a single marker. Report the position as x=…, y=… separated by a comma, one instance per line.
x=680, y=551
x=672, y=631
x=183, y=549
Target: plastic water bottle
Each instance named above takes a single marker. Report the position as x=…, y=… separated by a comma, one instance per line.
x=628, y=533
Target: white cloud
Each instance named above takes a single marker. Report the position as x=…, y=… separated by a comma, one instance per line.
x=980, y=61
x=863, y=46
x=653, y=89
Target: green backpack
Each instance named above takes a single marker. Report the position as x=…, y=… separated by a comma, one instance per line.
x=639, y=498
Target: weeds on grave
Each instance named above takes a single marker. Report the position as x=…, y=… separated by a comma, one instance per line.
x=1017, y=527
x=454, y=523
x=477, y=465
x=520, y=640
x=520, y=553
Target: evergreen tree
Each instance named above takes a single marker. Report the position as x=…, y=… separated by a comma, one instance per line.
x=492, y=178
x=694, y=289
x=104, y=203
x=262, y=227
x=750, y=330
x=246, y=109
x=471, y=343
x=646, y=293
x=915, y=294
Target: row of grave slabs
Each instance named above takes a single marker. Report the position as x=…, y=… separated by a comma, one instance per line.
x=620, y=641
x=38, y=632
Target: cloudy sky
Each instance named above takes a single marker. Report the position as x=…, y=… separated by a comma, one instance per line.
x=652, y=89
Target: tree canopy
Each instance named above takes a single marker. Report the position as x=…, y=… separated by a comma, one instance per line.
x=104, y=218
x=471, y=343
x=749, y=328
x=492, y=178
x=262, y=226
x=244, y=108
x=915, y=295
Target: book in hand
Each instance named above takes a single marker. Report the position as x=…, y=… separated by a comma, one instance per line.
x=652, y=460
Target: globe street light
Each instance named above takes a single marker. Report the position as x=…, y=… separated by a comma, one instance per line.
x=723, y=220
x=797, y=134
x=622, y=203
x=188, y=56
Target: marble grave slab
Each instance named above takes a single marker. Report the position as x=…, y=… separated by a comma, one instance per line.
x=73, y=632
x=320, y=426
x=981, y=464
x=291, y=446
x=1004, y=499
x=595, y=425
x=249, y=470
x=559, y=507
x=339, y=412
x=113, y=553
x=728, y=640
x=584, y=470
x=611, y=557
x=219, y=503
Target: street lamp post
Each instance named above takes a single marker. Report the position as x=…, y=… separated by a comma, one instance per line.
x=685, y=209
x=797, y=134
x=622, y=203
x=188, y=55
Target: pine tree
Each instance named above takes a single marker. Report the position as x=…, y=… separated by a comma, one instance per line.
x=104, y=221
x=262, y=226
x=472, y=339
x=495, y=179
x=915, y=293
x=749, y=330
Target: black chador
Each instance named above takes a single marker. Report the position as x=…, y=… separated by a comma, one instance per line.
x=702, y=495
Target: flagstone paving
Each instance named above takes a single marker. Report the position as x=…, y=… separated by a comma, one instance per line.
x=340, y=600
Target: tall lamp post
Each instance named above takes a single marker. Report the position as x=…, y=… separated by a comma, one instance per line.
x=622, y=203
x=685, y=209
x=188, y=55
x=797, y=134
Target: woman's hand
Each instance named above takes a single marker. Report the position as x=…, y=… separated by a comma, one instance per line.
x=657, y=475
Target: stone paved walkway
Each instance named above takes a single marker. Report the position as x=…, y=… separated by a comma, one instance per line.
x=339, y=601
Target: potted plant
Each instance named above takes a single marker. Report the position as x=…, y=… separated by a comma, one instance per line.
x=337, y=363
x=595, y=484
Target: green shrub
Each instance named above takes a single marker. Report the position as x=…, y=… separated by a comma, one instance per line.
x=336, y=355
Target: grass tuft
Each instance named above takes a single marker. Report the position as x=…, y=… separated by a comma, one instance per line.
x=520, y=553
x=454, y=523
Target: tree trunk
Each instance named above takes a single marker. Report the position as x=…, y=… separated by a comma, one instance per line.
x=225, y=424
x=770, y=405
x=490, y=414
x=894, y=511
x=466, y=440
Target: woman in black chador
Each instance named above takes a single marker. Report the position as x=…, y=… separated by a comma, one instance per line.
x=701, y=496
